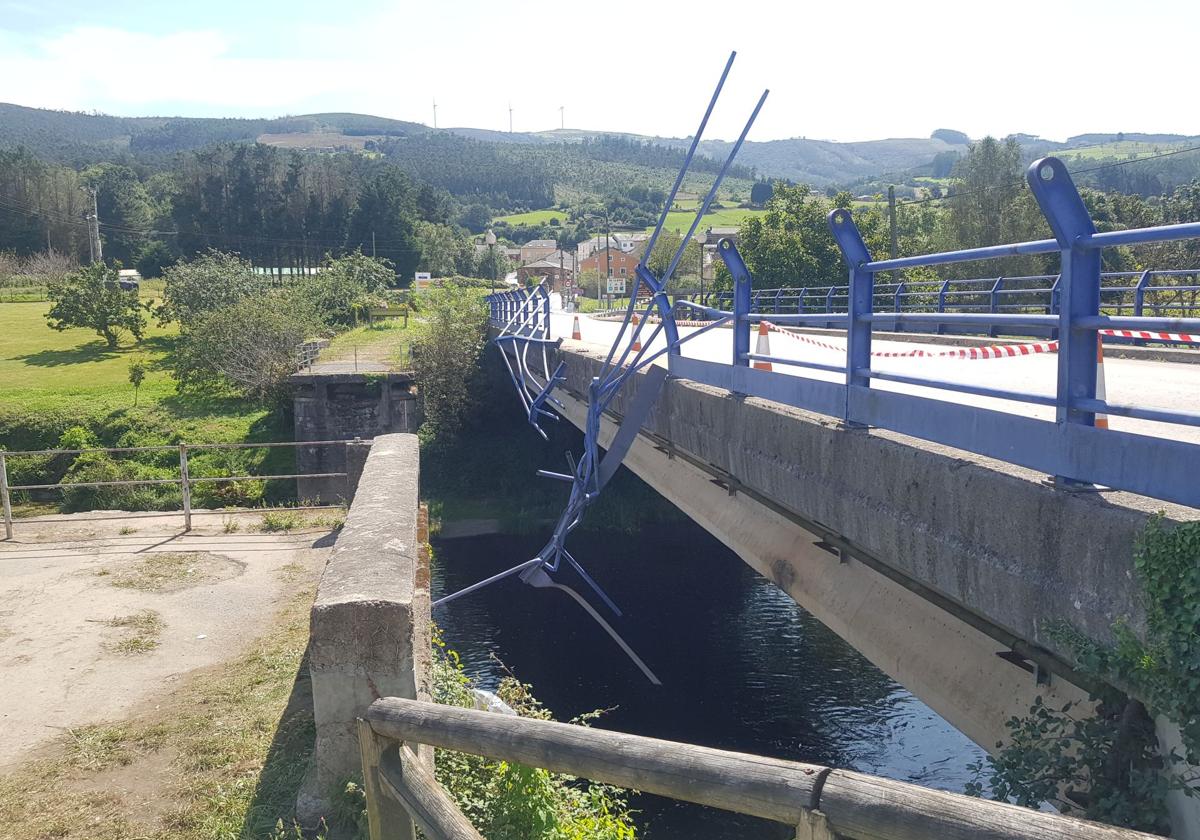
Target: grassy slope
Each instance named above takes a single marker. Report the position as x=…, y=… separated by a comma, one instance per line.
x=55, y=379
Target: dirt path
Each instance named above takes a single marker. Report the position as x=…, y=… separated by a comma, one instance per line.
x=94, y=622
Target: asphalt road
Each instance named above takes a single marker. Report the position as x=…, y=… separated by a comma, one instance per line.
x=1146, y=384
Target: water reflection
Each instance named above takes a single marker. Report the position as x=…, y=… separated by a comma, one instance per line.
x=743, y=667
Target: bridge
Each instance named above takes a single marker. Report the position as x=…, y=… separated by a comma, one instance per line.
x=936, y=507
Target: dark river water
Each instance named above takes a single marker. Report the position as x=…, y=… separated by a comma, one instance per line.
x=742, y=666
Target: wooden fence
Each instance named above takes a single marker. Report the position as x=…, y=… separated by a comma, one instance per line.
x=820, y=802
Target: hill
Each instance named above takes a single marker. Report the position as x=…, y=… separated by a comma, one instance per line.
x=73, y=136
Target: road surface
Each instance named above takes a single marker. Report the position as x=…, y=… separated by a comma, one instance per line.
x=1147, y=384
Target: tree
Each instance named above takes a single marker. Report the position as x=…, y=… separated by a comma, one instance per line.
x=208, y=282
x=447, y=355
x=249, y=345
x=137, y=375
x=386, y=208
x=789, y=244
x=664, y=251
x=761, y=192
x=990, y=204
x=153, y=259
x=124, y=206
x=475, y=218
x=91, y=298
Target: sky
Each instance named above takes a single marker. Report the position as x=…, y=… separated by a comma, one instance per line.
x=836, y=70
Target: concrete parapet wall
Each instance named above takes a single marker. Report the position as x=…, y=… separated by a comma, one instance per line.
x=992, y=537
x=369, y=635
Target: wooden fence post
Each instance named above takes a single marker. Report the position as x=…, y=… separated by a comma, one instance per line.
x=185, y=488
x=386, y=817
x=5, y=497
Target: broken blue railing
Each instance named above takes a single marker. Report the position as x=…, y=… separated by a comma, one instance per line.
x=522, y=320
x=1070, y=447
x=522, y=323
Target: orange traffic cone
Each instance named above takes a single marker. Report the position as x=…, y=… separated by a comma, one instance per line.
x=637, y=344
x=763, y=347
x=1101, y=419
x=575, y=334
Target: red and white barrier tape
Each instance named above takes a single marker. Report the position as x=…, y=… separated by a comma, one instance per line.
x=1156, y=336
x=995, y=351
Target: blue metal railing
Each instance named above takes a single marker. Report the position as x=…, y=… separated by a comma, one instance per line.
x=522, y=312
x=1070, y=448
x=1138, y=293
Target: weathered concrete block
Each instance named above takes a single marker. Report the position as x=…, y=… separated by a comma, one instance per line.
x=369, y=626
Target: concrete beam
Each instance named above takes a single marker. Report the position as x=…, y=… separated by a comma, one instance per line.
x=369, y=626
x=991, y=537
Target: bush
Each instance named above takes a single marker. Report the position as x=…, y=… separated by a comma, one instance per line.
x=197, y=287
x=512, y=802
x=249, y=346
x=447, y=355
x=99, y=466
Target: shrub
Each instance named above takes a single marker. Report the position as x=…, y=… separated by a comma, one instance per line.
x=447, y=356
x=194, y=288
x=509, y=801
x=98, y=467
x=249, y=346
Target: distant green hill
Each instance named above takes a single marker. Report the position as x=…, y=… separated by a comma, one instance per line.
x=74, y=136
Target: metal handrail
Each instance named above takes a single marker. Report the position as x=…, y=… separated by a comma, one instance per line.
x=185, y=480
x=982, y=294
x=1072, y=448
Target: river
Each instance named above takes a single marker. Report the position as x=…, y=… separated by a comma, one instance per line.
x=743, y=667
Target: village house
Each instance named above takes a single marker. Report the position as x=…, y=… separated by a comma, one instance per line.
x=557, y=268
x=537, y=249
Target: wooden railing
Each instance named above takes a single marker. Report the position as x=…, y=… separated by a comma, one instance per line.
x=820, y=802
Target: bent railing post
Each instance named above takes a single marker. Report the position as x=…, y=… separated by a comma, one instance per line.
x=1080, y=297
x=860, y=301
x=742, y=296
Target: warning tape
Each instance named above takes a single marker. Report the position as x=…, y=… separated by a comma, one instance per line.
x=1156, y=336
x=994, y=351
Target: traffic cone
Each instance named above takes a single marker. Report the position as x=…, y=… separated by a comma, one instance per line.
x=637, y=344
x=575, y=334
x=763, y=347
x=1101, y=419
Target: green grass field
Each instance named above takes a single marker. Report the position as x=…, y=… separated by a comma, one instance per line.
x=52, y=378
x=680, y=220
x=1118, y=149
x=534, y=217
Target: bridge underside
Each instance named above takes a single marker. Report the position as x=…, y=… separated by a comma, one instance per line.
x=940, y=568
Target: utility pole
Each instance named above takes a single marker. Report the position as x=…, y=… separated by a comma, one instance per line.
x=510, y=118
x=94, y=245
x=892, y=220
x=562, y=116
x=435, y=113
x=373, y=242
x=895, y=251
